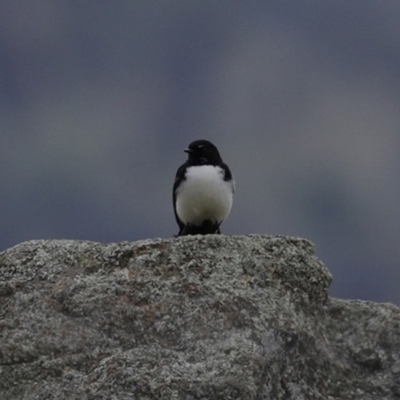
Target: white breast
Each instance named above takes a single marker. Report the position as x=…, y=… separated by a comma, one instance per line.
x=204, y=195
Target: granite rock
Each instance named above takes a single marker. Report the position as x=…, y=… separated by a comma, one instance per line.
x=196, y=317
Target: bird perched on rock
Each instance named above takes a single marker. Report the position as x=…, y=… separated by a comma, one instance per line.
x=203, y=190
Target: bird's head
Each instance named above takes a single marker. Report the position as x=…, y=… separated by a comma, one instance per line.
x=203, y=152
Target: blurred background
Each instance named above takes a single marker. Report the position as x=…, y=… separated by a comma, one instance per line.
x=98, y=100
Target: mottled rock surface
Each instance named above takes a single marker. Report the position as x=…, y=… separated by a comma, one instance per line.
x=203, y=317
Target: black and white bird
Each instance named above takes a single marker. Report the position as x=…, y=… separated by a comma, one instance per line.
x=203, y=190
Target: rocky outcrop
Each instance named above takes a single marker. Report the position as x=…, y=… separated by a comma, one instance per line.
x=197, y=317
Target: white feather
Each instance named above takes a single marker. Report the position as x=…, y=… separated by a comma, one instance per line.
x=204, y=195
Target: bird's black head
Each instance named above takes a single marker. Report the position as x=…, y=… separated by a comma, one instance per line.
x=203, y=152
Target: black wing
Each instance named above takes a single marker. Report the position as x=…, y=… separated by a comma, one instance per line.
x=179, y=177
x=228, y=175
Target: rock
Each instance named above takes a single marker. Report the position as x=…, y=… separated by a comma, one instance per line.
x=197, y=317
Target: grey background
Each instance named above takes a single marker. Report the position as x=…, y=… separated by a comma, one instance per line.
x=98, y=100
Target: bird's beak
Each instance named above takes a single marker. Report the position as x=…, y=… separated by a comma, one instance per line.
x=189, y=151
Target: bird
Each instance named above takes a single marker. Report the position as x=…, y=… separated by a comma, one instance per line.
x=203, y=190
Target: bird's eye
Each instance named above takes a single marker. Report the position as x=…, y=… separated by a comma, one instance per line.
x=200, y=147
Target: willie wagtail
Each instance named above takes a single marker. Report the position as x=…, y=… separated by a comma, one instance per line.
x=203, y=190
